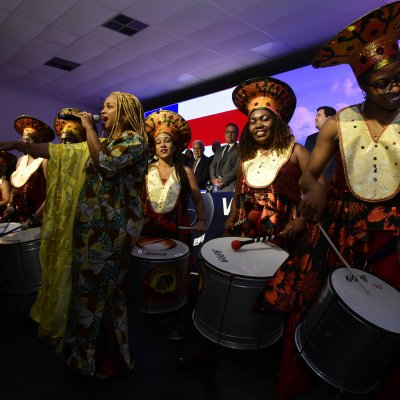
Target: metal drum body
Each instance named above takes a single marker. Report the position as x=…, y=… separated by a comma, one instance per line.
x=156, y=278
x=20, y=266
x=349, y=335
x=229, y=284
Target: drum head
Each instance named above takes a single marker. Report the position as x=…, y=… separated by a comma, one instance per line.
x=256, y=260
x=154, y=248
x=379, y=306
x=20, y=236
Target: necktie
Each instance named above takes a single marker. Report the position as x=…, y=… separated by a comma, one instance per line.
x=196, y=161
x=225, y=152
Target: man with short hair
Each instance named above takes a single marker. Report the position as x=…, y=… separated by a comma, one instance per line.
x=323, y=113
x=200, y=164
x=225, y=162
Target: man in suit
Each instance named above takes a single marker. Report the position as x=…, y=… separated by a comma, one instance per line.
x=200, y=164
x=323, y=113
x=225, y=162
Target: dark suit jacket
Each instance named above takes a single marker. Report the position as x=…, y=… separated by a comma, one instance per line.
x=202, y=173
x=227, y=169
x=330, y=168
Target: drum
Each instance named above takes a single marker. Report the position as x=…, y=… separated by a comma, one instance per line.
x=229, y=284
x=19, y=254
x=156, y=278
x=349, y=335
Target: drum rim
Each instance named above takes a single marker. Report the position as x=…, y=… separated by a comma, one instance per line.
x=354, y=313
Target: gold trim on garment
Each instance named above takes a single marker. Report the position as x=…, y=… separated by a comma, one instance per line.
x=371, y=164
x=24, y=171
x=163, y=197
x=262, y=170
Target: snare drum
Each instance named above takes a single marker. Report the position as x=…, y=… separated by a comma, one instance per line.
x=349, y=336
x=156, y=278
x=229, y=284
x=19, y=254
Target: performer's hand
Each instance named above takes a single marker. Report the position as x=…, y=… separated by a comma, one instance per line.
x=200, y=226
x=313, y=204
x=294, y=228
x=229, y=224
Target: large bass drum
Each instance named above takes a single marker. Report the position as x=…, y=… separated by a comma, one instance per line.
x=229, y=284
x=350, y=335
x=156, y=278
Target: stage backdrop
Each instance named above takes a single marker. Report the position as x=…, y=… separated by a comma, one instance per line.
x=333, y=86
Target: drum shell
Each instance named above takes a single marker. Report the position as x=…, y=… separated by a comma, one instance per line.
x=223, y=311
x=20, y=267
x=343, y=348
x=137, y=284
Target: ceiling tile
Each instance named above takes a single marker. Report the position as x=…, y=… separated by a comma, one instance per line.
x=192, y=19
x=106, y=80
x=233, y=5
x=82, y=50
x=112, y=59
x=83, y=74
x=11, y=32
x=219, y=31
x=145, y=41
x=168, y=54
x=117, y=5
x=135, y=68
x=154, y=11
x=219, y=68
x=242, y=43
x=94, y=15
x=54, y=35
x=250, y=59
x=273, y=50
x=194, y=61
x=9, y=5
x=34, y=10
x=106, y=36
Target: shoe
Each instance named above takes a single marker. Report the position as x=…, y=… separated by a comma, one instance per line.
x=198, y=358
x=176, y=334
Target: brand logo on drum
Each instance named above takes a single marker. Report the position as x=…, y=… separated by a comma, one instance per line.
x=220, y=255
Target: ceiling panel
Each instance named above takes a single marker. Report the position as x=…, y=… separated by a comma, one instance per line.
x=188, y=45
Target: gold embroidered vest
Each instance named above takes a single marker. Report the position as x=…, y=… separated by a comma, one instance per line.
x=24, y=171
x=262, y=170
x=371, y=164
x=163, y=198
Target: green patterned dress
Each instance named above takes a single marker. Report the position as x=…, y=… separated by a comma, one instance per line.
x=108, y=220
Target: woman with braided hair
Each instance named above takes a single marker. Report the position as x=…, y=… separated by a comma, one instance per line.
x=92, y=219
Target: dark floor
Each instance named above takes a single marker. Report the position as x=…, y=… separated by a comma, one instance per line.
x=31, y=369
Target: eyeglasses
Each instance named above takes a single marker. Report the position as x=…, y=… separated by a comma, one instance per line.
x=384, y=87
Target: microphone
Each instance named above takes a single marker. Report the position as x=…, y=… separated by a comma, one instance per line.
x=71, y=117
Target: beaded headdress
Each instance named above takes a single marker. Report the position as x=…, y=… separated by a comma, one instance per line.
x=60, y=125
x=265, y=92
x=170, y=122
x=368, y=44
x=45, y=133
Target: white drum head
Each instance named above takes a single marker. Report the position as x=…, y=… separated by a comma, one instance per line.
x=8, y=226
x=154, y=248
x=258, y=260
x=380, y=305
x=20, y=236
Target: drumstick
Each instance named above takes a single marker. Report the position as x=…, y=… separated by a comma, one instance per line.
x=10, y=231
x=237, y=244
x=341, y=257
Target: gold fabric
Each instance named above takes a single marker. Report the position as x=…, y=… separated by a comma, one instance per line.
x=262, y=170
x=163, y=198
x=371, y=164
x=65, y=177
